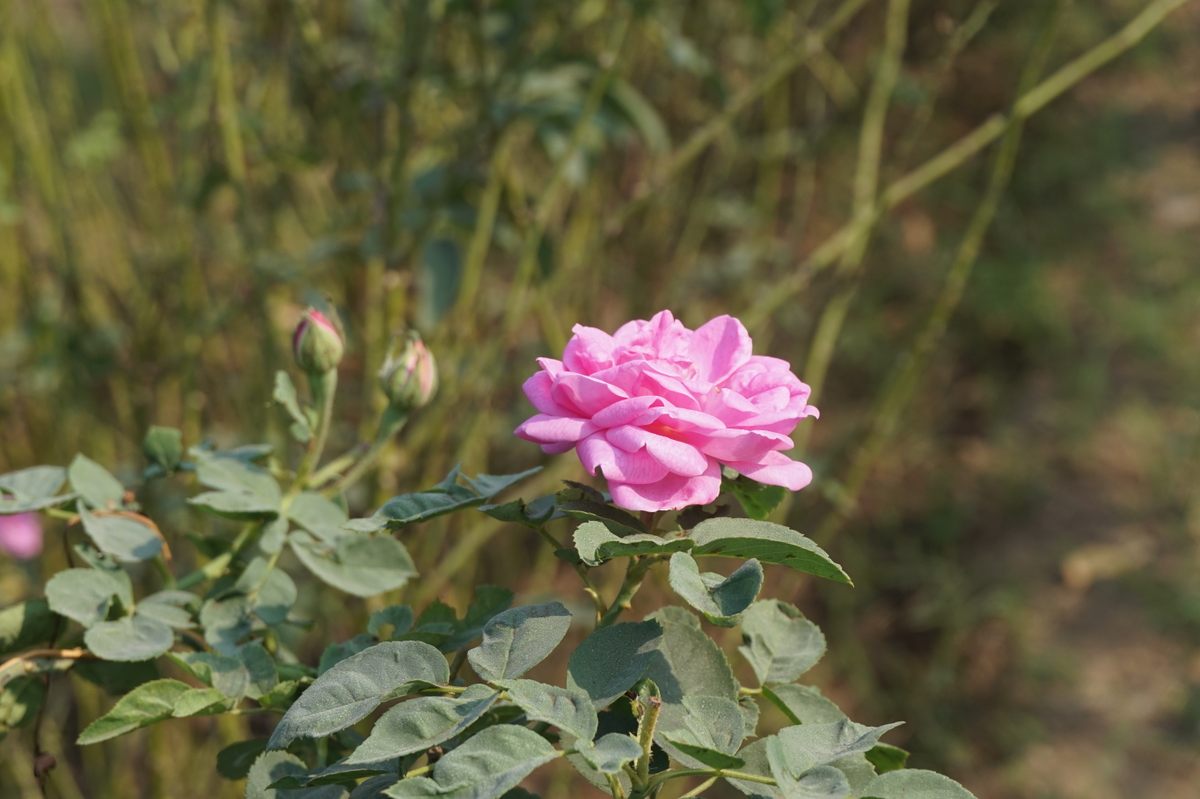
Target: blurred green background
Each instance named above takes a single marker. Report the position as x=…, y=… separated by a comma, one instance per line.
x=1015, y=495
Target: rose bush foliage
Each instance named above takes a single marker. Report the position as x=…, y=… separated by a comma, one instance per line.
x=433, y=701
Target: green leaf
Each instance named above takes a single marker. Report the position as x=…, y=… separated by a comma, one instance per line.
x=322, y=517
x=86, y=595
x=914, y=784
x=721, y=599
x=794, y=750
x=487, y=765
x=349, y=691
x=200, y=701
x=394, y=620
x=272, y=767
x=757, y=499
x=285, y=395
x=885, y=757
x=248, y=671
x=568, y=709
x=235, y=504
x=146, y=704
x=779, y=643
x=518, y=639
x=172, y=608
x=608, y=662
x=94, y=483
x=32, y=489
x=822, y=782
x=803, y=704
x=712, y=730
x=755, y=756
x=242, y=490
x=518, y=511
x=129, y=639
x=269, y=591
x=26, y=624
x=274, y=536
x=226, y=622
x=690, y=664
x=163, y=446
x=235, y=760
x=490, y=485
x=769, y=543
x=421, y=723
x=596, y=543
x=609, y=753
x=126, y=536
x=359, y=564
x=446, y=497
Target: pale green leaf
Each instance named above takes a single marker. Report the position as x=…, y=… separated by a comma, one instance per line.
x=779, y=643
x=418, y=724
x=354, y=687
x=719, y=598
x=486, y=766
x=129, y=639
x=146, y=704
x=596, y=543
x=568, y=709
x=518, y=639
x=610, y=660
x=94, y=483
x=86, y=595
x=359, y=564
x=914, y=784
x=769, y=543
x=126, y=537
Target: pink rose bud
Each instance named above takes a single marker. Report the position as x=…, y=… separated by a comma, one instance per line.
x=658, y=409
x=316, y=343
x=21, y=535
x=409, y=375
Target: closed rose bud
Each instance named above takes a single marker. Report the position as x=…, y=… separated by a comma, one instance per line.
x=409, y=375
x=316, y=343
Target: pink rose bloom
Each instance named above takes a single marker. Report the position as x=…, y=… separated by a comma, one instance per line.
x=21, y=535
x=658, y=408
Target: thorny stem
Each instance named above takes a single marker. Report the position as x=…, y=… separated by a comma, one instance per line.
x=651, y=704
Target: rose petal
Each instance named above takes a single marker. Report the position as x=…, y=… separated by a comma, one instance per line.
x=744, y=445
x=543, y=429
x=585, y=394
x=635, y=411
x=678, y=456
x=595, y=452
x=538, y=390
x=718, y=348
x=671, y=493
x=589, y=350
x=776, y=469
